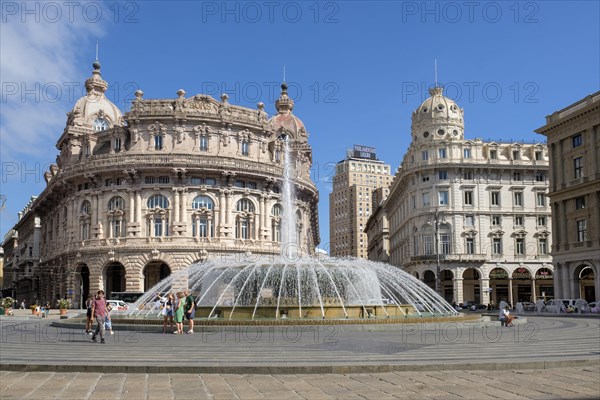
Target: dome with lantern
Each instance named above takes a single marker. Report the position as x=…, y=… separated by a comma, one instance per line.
x=94, y=110
x=438, y=116
x=285, y=122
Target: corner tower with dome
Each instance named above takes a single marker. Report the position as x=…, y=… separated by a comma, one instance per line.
x=469, y=217
x=137, y=196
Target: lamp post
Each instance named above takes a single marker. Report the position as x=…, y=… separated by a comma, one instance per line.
x=438, y=216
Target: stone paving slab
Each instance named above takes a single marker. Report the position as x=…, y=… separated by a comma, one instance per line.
x=458, y=384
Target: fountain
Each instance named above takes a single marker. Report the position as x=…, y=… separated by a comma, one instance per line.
x=295, y=286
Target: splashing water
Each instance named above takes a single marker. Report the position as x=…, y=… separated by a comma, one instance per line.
x=295, y=284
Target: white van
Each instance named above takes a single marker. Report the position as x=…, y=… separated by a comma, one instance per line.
x=562, y=305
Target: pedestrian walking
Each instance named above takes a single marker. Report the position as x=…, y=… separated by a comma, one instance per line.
x=23, y=305
x=99, y=313
x=179, y=310
x=89, y=321
x=190, y=310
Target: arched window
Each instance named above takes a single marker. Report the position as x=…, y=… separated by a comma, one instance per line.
x=245, y=205
x=202, y=217
x=158, y=200
x=100, y=124
x=85, y=220
x=276, y=213
x=202, y=202
x=244, y=227
x=116, y=217
x=116, y=203
x=158, y=216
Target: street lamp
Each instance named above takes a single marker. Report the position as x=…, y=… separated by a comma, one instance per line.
x=438, y=216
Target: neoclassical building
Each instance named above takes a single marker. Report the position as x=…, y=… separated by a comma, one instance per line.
x=471, y=218
x=574, y=141
x=134, y=197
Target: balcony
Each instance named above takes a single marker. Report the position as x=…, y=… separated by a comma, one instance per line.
x=449, y=258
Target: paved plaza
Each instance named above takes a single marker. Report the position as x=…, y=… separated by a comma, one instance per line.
x=542, y=358
x=555, y=383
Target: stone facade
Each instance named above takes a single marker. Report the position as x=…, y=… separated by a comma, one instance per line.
x=351, y=203
x=574, y=141
x=135, y=197
x=466, y=215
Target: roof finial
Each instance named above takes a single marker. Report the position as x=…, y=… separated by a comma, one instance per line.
x=284, y=72
x=435, y=68
x=96, y=63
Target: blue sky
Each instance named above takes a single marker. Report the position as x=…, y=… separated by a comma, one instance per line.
x=357, y=69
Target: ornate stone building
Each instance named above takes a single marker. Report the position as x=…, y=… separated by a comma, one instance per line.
x=467, y=216
x=134, y=197
x=574, y=141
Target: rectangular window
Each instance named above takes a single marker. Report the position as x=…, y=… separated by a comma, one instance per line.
x=470, y=246
x=118, y=144
x=493, y=154
x=442, y=174
x=240, y=184
x=203, y=143
x=541, y=221
x=425, y=178
x=540, y=176
x=495, y=198
x=580, y=203
x=425, y=155
x=467, y=153
x=519, y=220
x=518, y=199
x=543, y=246
x=251, y=185
x=426, y=202
x=416, y=246
x=517, y=176
x=164, y=179
x=538, y=156
x=445, y=243
x=413, y=200
x=150, y=180
x=468, y=175
x=443, y=197
x=577, y=140
x=497, y=246
x=196, y=180
x=496, y=220
x=158, y=142
x=520, y=246
x=442, y=152
x=428, y=244
x=541, y=199
x=470, y=220
x=245, y=148
x=469, y=197
x=516, y=155
x=578, y=167
x=581, y=230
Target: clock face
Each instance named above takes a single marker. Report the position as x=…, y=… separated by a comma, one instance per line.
x=100, y=124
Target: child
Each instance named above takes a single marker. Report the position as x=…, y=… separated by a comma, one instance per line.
x=108, y=322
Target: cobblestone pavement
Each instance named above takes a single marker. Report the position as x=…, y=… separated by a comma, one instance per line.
x=555, y=383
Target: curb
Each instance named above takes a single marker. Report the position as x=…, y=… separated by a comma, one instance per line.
x=299, y=369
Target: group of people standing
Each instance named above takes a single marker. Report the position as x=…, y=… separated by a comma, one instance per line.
x=174, y=307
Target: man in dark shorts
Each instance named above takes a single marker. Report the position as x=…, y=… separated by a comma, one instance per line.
x=189, y=309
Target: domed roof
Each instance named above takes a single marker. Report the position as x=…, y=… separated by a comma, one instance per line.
x=94, y=107
x=285, y=121
x=438, y=108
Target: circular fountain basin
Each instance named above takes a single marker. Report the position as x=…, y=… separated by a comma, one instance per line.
x=306, y=288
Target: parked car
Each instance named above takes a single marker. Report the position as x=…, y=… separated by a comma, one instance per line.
x=562, y=305
x=528, y=306
x=118, y=305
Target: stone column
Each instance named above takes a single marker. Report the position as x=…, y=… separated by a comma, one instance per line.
x=458, y=290
x=175, y=206
x=261, y=213
x=131, y=205
x=138, y=207
x=221, y=212
x=510, y=291
x=183, y=204
x=533, y=290
x=557, y=277
x=484, y=284
x=566, y=282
